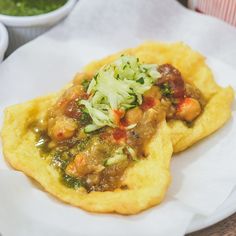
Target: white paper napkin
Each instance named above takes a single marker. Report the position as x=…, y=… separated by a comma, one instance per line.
x=203, y=176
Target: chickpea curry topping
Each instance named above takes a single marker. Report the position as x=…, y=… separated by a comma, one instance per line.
x=102, y=124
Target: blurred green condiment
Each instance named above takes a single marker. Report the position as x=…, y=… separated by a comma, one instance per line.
x=29, y=7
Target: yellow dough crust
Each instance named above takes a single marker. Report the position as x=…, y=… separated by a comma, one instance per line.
x=147, y=180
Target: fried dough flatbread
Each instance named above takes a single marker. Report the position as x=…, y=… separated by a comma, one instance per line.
x=147, y=180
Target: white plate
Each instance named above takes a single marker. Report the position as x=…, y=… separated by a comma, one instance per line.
x=33, y=208
x=221, y=71
x=224, y=211
x=3, y=41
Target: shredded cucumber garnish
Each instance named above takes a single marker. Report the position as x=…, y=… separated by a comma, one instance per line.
x=118, y=156
x=132, y=153
x=117, y=86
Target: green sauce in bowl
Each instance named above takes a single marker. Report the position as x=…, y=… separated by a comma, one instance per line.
x=29, y=7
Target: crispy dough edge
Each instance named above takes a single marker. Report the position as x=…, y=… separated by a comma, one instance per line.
x=217, y=112
x=148, y=179
x=193, y=67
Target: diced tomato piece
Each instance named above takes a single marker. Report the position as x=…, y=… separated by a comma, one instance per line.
x=119, y=134
x=148, y=102
x=123, y=123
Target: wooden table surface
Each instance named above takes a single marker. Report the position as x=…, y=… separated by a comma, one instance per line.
x=226, y=227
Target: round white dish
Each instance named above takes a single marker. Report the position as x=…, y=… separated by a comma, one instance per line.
x=37, y=212
x=228, y=208
x=3, y=41
x=25, y=28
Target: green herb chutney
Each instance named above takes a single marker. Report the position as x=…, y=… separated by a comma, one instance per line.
x=29, y=7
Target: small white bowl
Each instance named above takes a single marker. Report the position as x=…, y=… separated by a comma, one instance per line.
x=22, y=29
x=3, y=41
